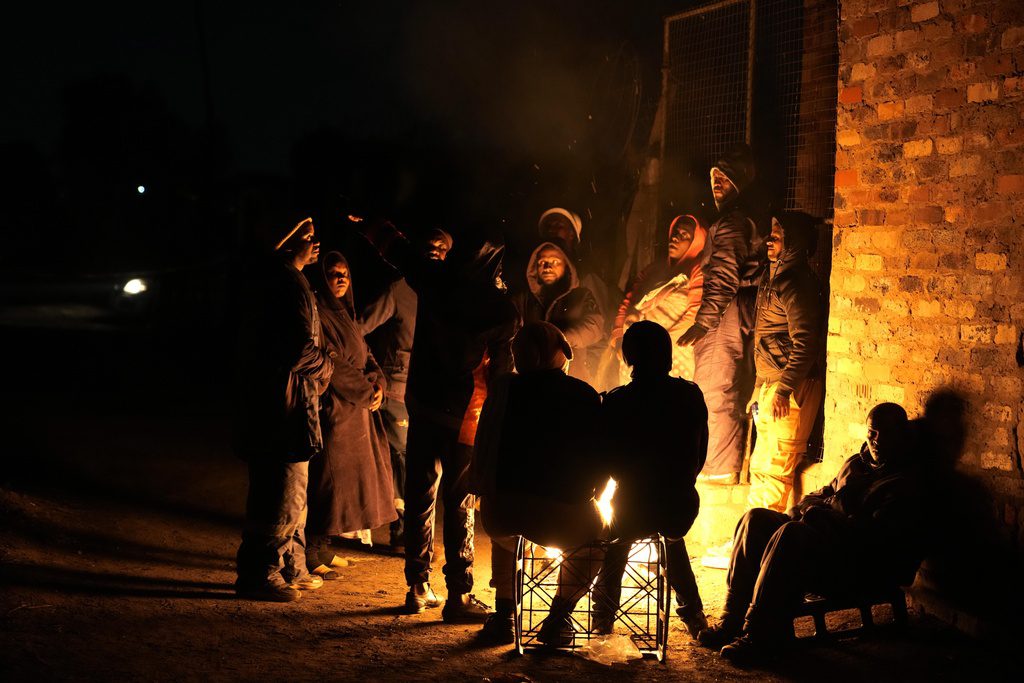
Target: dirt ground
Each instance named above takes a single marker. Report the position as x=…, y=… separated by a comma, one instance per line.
x=120, y=517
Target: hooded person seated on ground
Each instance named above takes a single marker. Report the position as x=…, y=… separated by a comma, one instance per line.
x=865, y=531
x=555, y=295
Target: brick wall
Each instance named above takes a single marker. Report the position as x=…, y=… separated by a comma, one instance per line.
x=928, y=247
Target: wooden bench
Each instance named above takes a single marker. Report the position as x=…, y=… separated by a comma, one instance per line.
x=816, y=607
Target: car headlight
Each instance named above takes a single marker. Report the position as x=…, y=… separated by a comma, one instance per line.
x=135, y=286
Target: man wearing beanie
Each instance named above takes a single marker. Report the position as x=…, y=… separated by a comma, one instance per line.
x=534, y=466
x=722, y=333
x=283, y=369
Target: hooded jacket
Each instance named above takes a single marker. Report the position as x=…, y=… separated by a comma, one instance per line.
x=389, y=324
x=572, y=309
x=350, y=487
x=282, y=367
x=788, y=329
x=732, y=261
x=668, y=292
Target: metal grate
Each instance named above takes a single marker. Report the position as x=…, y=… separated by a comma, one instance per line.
x=641, y=608
x=708, y=88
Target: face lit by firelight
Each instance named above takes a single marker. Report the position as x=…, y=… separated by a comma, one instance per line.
x=550, y=266
x=338, y=278
x=776, y=242
x=722, y=188
x=680, y=240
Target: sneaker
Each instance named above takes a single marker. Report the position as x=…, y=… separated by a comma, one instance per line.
x=499, y=629
x=310, y=582
x=695, y=622
x=745, y=651
x=557, y=632
x=463, y=608
x=715, y=637
x=269, y=592
x=727, y=479
x=420, y=598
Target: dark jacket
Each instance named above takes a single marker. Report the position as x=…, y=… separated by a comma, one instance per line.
x=389, y=324
x=464, y=328
x=788, y=330
x=536, y=437
x=572, y=308
x=350, y=487
x=655, y=440
x=282, y=366
x=877, y=515
x=732, y=265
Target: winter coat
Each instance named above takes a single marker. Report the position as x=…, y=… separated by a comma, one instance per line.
x=573, y=310
x=655, y=441
x=464, y=327
x=876, y=515
x=788, y=330
x=669, y=293
x=732, y=263
x=282, y=367
x=389, y=324
x=350, y=487
x=536, y=437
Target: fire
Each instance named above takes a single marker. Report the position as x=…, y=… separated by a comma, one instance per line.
x=553, y=553
x=604, y=501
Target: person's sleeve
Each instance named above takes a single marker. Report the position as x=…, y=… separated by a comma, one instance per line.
x=499, y=348
x=803, y=316
x=350, y=382
x=722, y=272
x=378, y=312
x=298, y=349
x=589, y=329
x=373, y=373
x=486, y=445
x=628, y=304
x=702, y=438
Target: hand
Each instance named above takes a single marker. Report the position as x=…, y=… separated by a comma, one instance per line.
x=378, y=398
x=692, y=335
x=780, y=407
x=751, y=404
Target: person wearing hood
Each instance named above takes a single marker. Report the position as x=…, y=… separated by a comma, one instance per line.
x=389, y=324
x=788, y=344
x=565, y=228
x=556, y=296
x=350, y=486
x=668, y=292
x=465, y=322
x=283, y=367
x=722, y=331
x=534, y=466
x=865, y=532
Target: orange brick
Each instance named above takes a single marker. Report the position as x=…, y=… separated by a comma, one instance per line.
x=919, y=194
x=851, y=95
x=973, y=23
x=847, y=178
x=1010, y=184
x=864, y=27
x=950, y=97
x=889, y=110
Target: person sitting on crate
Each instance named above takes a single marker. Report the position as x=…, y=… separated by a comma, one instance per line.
x=533, y=466
x=656, y=439
x=863, y=532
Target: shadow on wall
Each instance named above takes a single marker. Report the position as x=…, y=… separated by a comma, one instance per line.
x=974, y=564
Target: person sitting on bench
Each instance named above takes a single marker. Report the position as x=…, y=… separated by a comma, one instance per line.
x=862, y=532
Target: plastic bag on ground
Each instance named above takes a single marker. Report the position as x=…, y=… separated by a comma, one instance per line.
x=610, y=649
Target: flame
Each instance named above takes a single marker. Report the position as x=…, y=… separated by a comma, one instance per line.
x=355, y=219
x=553, y=553
x=604, y=501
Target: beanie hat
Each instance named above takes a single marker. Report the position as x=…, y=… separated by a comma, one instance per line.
x=291, y=233
x=573, y=218
x=540, y=346
x=442, y=235
x=738, y=166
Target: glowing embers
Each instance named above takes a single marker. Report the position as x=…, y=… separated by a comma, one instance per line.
x=640, y=609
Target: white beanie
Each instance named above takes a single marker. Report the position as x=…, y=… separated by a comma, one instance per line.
x=577, y=224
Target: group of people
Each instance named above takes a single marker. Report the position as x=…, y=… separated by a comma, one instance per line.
x=449, y=386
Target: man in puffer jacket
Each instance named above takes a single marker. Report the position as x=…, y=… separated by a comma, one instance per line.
x=556, y=296
x=722, y=333
x=787, y=349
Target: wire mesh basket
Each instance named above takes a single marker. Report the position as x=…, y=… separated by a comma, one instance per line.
x=640, y=610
